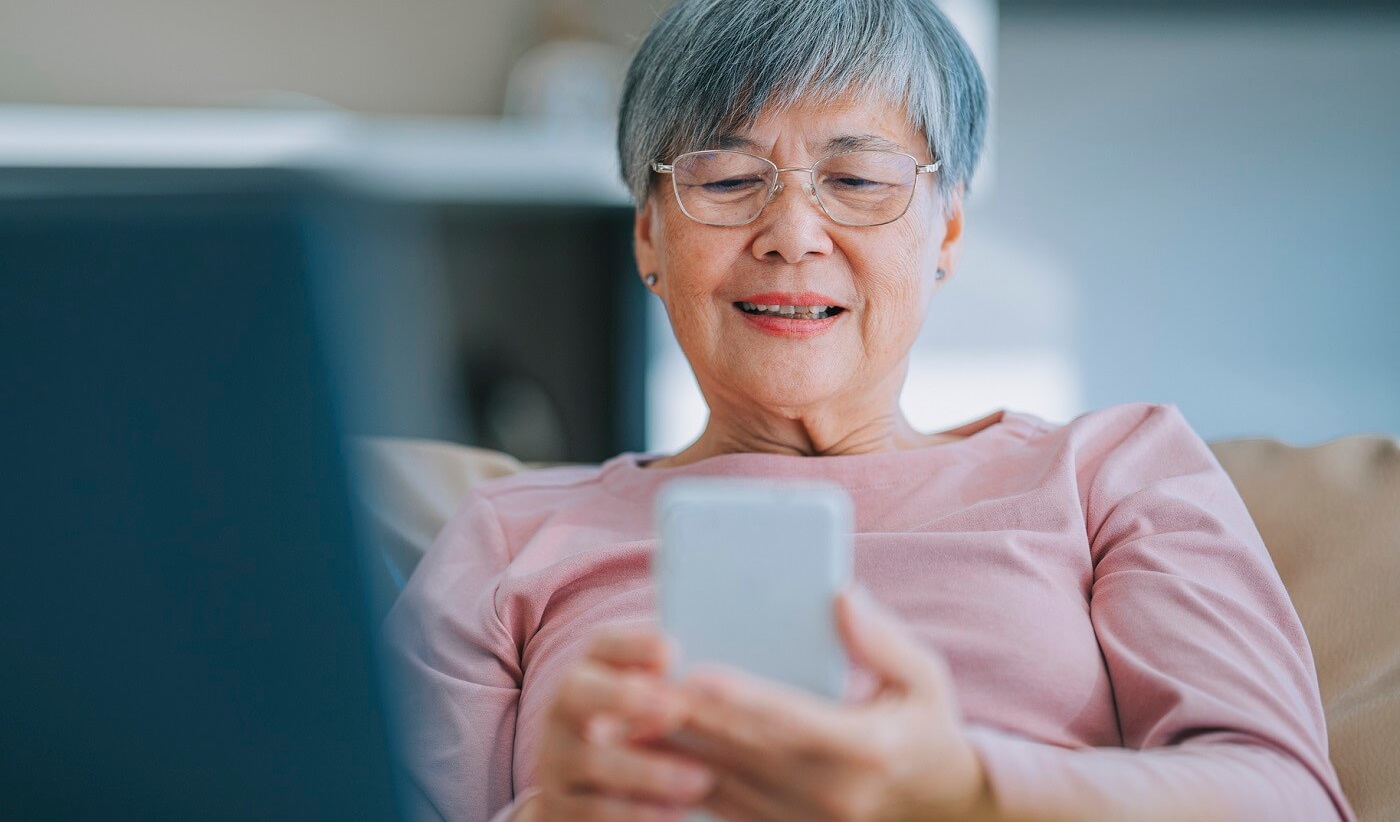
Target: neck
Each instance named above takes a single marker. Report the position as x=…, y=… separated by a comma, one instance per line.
x=836, y=427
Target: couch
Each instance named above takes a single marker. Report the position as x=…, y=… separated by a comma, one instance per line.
x=1330, y=515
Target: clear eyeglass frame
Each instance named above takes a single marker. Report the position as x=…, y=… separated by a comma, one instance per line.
x=776, y=185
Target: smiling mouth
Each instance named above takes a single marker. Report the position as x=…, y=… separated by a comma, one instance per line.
x=790, y=312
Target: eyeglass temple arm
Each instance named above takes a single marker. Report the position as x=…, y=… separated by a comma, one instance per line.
x=662, y=168
x=928, y=169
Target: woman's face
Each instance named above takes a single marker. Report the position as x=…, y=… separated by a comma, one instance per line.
x=882, y=276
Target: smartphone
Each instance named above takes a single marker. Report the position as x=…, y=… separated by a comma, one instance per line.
x=747, y=574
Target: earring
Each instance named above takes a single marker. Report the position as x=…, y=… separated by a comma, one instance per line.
x=940, y=274
x=651, y=279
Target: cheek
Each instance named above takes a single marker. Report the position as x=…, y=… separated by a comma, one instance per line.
x=898, y=276
x=694, y=266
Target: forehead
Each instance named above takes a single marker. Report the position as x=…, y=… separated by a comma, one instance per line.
x=822, y=128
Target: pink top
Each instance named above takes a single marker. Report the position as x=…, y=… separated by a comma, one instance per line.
x=1111, y=617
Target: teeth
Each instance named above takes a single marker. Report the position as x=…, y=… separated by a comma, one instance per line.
x=804, y=312
x=784, y=309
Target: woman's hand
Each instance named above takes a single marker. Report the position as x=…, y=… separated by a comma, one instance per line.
x=783, y=754
x=595, y=760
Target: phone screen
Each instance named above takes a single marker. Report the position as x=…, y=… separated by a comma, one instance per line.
x=747, y=574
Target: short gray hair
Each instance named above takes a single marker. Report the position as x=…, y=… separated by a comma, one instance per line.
x=708, y=68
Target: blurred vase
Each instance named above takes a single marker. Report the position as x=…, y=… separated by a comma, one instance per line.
x=572, y=78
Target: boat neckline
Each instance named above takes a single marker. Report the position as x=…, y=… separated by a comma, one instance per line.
x=629, y=475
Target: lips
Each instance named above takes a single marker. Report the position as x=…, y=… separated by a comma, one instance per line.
x=787, y=326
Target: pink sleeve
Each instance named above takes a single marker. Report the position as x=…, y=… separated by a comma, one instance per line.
x=1212, y=675
x=455, y=674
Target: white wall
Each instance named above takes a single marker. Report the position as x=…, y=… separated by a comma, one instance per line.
x=1224, y=194
x=404, y=56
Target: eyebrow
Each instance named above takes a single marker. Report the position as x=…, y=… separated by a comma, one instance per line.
x=846, y=142
x=857, y=142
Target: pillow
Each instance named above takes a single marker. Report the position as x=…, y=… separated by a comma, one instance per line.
x=1330, y=516
x=411, y=488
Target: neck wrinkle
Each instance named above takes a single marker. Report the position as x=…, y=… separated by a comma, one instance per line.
x=897, y=435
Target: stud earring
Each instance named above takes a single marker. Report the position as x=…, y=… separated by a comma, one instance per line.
x=651, y=279
x=940, y=275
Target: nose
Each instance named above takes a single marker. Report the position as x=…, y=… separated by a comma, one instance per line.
x=790, y=229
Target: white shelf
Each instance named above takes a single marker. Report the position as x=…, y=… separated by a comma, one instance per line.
x=425, y=159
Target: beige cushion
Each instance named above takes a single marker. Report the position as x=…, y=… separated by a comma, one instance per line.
x=410, y=488
x=1331, y=518
x=1329, y=514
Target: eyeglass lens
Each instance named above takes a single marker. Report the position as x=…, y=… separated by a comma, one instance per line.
x=858, y=188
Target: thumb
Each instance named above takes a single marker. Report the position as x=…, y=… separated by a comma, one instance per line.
x=876, y=638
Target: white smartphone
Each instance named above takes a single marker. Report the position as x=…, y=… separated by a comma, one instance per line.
x=747, y=573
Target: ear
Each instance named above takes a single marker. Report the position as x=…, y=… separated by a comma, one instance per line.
x=951, y=251
x=645, y=232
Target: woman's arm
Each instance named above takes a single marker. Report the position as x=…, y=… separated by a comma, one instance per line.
x=1213, y=678
x=1034, y=782
x=455, y=675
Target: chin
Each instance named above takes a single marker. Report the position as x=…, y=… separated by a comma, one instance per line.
x=787, y=393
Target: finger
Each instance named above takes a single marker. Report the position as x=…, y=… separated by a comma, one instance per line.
x=639, y=774
x=862, y=685
x=588, y=807
x=590, y=689
x=736, y=799
x=632, y=646
x=878, y=640
x=752, y=721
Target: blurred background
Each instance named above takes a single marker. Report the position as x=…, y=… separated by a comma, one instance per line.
x=1188, y=202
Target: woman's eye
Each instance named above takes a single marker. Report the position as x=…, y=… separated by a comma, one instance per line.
x=851, y=182
x=732, y=184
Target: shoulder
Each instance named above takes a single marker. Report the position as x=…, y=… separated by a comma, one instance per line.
x=1123, y=443
x=522, y=503
x=1112, y=425
x=561, y=481
x=539, y=489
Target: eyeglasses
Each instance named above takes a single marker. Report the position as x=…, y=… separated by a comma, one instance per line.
x=854, y=188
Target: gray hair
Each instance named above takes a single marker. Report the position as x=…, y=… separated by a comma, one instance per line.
x=708, y=68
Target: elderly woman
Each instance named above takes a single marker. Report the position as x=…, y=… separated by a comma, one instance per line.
x=1061, y=622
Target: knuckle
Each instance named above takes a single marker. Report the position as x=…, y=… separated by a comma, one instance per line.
x=574, y=696
x=848, y=804
x=674, y=781
x=587, y=766
x=863, y=806
x=637, y=775
x=648, y=776
x=633, y=694
x=832, y=804
x=877, y=750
